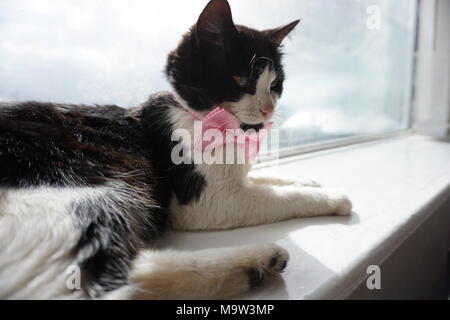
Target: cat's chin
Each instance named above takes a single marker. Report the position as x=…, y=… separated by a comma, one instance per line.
x=256, y=127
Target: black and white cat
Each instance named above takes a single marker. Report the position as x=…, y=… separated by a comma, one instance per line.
x=95, y=187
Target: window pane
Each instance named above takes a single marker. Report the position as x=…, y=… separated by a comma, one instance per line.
x=343, y=78
x=348, y=76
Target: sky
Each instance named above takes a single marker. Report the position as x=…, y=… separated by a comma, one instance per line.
x=342, y=78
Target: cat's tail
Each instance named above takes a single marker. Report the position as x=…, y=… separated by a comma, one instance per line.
x=203, y=274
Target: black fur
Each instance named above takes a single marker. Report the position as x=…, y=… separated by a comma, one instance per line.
x=255, y=278
x=106, y=247
x=69, y=145
x=255, y=127
x=203, y=76
x=181, y=179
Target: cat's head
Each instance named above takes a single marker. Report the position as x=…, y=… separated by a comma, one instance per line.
x=220, y=63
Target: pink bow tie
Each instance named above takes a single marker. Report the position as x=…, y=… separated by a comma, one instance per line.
x=230, y=132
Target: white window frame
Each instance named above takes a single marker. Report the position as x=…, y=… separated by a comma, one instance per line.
x=432, y=103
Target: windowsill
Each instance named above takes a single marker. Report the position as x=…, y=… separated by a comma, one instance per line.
x=396, y=185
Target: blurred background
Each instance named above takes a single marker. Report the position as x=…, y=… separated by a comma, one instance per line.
x=349, y=64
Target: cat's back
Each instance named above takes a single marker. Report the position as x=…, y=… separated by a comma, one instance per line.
x=61, y=143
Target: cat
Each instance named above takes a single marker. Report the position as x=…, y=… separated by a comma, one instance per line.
x=92, y=189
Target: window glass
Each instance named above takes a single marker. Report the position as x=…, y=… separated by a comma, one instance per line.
x=348, y=63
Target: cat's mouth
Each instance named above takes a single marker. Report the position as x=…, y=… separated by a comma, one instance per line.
x=256, y=127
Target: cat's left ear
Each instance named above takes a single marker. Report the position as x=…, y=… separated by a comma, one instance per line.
x=215, y=25
x=277, y=35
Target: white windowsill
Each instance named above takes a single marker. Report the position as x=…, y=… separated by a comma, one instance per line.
x=395, y=186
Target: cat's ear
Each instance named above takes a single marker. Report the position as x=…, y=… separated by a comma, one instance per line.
x=215, y=23
x=277, y=35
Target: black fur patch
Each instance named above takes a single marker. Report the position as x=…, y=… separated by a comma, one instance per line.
x=182, y=179
x=68, y=145
x=106, y=247
x=255, y=127
x=255, y=278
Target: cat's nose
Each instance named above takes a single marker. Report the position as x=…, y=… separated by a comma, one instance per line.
x=267, y=110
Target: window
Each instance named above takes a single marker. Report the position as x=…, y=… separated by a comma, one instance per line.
x=347, y=77
x=349, y=64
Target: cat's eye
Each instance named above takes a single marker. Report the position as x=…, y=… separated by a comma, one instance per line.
x=274, y=82
x=241, y=81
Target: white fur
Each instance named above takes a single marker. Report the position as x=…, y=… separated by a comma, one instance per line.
x=212, y=273
x=232, y=199
x=36, y=239
x=38, y=234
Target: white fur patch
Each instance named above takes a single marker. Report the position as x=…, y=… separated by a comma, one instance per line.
x=37, y=235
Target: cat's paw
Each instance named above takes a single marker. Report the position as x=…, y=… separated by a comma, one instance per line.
x=341, y=204
x=268, y=262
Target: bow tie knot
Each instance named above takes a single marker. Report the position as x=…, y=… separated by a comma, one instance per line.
x=220, y=127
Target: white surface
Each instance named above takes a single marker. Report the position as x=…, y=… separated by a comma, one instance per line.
x=392, y=183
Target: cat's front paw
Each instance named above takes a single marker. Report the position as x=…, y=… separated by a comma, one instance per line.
x=341, y=204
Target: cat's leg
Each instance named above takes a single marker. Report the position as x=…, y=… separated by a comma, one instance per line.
x=224, y=205
x=204, y=274
x=267, y=180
